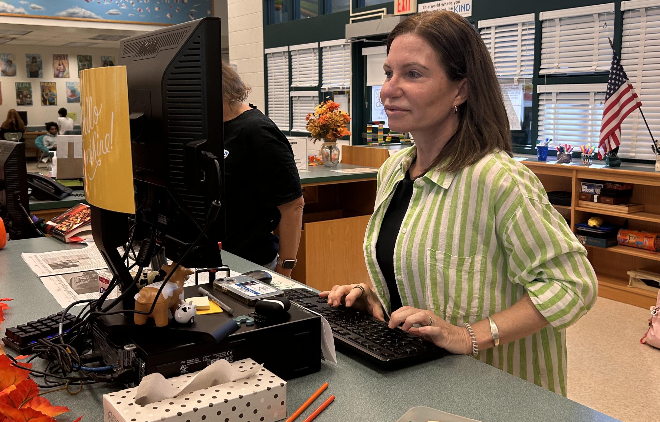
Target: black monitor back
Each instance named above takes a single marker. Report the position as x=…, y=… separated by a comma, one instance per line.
x=14, y=190
x=175, y=103
x=23, y=115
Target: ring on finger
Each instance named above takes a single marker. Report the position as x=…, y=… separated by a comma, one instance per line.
x=361, y=289
x=430, y=320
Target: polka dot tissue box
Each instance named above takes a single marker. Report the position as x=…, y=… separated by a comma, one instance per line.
x=231, y=392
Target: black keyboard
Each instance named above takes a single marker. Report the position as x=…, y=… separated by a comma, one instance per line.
x=365, y=335
x=23, y=337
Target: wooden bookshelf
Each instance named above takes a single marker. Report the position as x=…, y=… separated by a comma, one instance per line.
x=611, y=264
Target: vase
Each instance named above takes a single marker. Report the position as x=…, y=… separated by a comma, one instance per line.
x=330, y=154
x=612, y=161
x=563, y=157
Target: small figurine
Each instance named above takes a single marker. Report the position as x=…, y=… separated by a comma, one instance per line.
x=170, y=297
x=185, y=313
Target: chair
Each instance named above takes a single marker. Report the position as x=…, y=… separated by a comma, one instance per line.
x=13, y=136
x=43, y=152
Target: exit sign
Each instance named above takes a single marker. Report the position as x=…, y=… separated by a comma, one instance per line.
x=404, y=7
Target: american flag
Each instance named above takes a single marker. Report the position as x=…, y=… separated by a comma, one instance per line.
x=620, y=101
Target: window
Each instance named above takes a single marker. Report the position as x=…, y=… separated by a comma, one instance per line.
x=365, y=3
x=277, y=67
x=332, y=6
x=571, y=114
x=336, y=71
x=640, y=57
x=303, y=103
x=278, y=11
x=304, y=65
x=375, y=59
x=576, y=40
x=307, y=8
x=510, y=42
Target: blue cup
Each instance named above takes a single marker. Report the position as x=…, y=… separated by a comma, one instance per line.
x=542, y=152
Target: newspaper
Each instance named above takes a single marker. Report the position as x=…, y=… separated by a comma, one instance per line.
x=65, y=261
x=68, y=288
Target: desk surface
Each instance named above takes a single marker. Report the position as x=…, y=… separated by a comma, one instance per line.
x=341, y=173
x=454, y=384
x=68, y=202
x=315, y=175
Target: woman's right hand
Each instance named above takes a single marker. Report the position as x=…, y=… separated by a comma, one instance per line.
x=354, y=297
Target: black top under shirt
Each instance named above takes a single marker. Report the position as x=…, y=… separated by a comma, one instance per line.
x=389, y=230
x=260, y=175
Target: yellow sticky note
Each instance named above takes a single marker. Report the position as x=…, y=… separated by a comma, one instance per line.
x=214, y=310
x=202, y=302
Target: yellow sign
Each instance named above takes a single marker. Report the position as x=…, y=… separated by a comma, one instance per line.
x=74, y=116
x=106, y=139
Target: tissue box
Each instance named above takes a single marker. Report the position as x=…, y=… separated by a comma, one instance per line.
x=260, y=398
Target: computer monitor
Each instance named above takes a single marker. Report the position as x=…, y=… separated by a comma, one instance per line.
x=23, y=115
x=175, y=105
x=14, y=203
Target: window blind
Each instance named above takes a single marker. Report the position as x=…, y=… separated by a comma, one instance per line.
x=571, y=114
x=510, y=42
x=303, y=103
x=336, y=69
x=304, y=65
x=277, y=67
x=576, y=40
x=640, y=57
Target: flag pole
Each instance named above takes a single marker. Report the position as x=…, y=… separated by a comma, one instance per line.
x=655, y=147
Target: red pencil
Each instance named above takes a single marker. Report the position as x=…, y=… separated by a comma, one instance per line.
x=307, y=403
x=325, y=404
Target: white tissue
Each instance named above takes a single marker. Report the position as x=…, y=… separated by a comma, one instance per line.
x=155, y=387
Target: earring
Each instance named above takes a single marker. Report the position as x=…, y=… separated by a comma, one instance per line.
x=455, y=109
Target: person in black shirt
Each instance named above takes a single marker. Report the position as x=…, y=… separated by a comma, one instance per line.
x=262, y=186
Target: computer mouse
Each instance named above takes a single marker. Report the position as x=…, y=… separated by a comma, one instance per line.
x=260, y=275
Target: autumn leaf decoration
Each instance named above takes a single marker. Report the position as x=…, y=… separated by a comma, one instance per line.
x=19, y=395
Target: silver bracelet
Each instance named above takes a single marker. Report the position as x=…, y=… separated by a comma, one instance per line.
x=475, y=346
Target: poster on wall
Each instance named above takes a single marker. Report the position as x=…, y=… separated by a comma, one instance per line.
x=23, y=93
x=34, y=66
x=73, y=92
x=377, y=108
x=48, y=94
x=84, y=62
x=7, y=64
x=513, y=102
x=108, y=61
x=167, y=12
x=61, y=65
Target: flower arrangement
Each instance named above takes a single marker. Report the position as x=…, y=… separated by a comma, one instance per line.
x=328, y=122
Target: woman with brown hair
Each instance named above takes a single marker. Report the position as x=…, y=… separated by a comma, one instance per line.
x=262, y=187
x=463, y=248
x=13, y=123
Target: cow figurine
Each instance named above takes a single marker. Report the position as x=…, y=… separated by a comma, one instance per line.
x=185, y=313
x=169, y=299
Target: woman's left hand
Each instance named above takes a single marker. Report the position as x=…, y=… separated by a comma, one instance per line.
x=432, y=328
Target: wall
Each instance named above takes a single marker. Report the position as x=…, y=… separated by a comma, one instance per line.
x=246, y=45
x=38, y=114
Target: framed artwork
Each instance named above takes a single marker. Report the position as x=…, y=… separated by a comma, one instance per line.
x=7, y=65
x=24, y=93
x=61, y=65
x=48, y=94
x=33, y=66
x=159, y=12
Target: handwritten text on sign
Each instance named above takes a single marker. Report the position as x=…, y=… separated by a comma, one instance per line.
x=404, y=7
x=100, y=144
x=462, y=7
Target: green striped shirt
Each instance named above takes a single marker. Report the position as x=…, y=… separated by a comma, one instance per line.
x=472, y=243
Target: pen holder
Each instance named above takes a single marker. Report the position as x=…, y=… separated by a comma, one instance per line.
x=586, y=159
x=542, y=152
x=563, y=157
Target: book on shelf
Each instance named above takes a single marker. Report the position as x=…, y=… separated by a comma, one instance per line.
x=72, y=226
x=623, y=208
